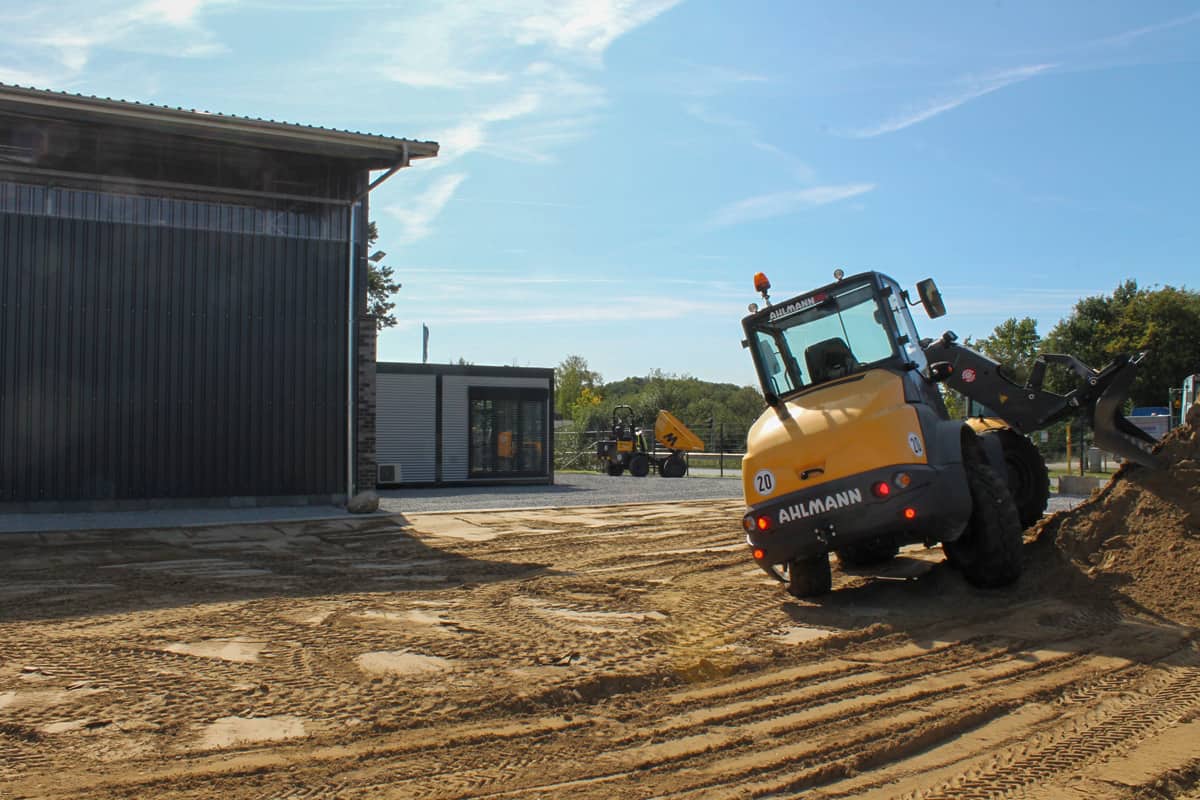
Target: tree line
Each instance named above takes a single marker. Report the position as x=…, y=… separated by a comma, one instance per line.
x=1164, y=323
x=582, y=397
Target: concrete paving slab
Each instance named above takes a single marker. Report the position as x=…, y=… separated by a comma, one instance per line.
x=166, y=518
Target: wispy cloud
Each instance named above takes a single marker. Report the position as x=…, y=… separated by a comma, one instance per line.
x=749, y=132
x=974, y=87
x=709, y=80
x=632, y=308
x=521, y=71
x=416, y=218
x=70, y=31
x=777, y=204
x=1132, y=35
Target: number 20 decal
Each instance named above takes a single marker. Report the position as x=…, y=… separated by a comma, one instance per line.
x=764, y=481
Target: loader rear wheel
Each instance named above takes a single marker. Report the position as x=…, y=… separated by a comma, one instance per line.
x=613, y=468
x=809, y=577
x=639, y=465
x=673, y=466
x=1028, y=478
x=868, y=553
x=989, y=550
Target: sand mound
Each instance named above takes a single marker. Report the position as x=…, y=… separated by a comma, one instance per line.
x=1139, y=536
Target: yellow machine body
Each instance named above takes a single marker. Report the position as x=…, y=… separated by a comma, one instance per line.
x=838, y=430
x=674, y=435
x=984, y=424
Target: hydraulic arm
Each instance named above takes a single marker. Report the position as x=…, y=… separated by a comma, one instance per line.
x=1098, y=398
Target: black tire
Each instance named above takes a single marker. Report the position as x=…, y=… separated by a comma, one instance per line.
x=989, y=550
x=673, y=466
x=614, y=468
x=810, y=577
x=639, y=465
x=867, y=553
x=1028, y=478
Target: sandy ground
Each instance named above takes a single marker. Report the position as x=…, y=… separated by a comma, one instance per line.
x=587, y=653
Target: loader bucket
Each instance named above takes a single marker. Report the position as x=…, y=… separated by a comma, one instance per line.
x=1113, y=432
x=674, y=435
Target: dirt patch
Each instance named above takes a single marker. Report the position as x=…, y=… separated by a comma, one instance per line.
x=400, y=663
x=238, y=651
x=1139, y=536
x=232, y=731
x=628, y=652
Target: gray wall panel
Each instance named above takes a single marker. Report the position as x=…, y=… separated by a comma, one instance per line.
x=405, y=425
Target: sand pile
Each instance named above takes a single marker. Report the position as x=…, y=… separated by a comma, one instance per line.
x=1139, y=536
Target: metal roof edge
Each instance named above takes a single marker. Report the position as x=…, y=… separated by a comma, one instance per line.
x=204, y=121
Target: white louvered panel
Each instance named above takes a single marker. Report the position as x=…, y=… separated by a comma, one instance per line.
x=456, y=417
x=405, y=424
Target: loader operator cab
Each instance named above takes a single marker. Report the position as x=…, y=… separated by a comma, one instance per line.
x=848, y=327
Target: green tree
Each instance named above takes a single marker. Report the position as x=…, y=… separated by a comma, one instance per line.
x=571, y=377
x=1085, y=332
x=1014, y=343
x=380, y=286
x=1165, y=323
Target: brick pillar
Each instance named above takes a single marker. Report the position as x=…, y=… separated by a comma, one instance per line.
x=365, y=472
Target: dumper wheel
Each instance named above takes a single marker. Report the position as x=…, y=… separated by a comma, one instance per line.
x=639, y=465
x=989, y=550
x=614, y=468
x=673, y=466
x=809, y=577
x=1028, y=479
x=868, y=553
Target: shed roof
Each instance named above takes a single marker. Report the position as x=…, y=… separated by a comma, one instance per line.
x=377, y=152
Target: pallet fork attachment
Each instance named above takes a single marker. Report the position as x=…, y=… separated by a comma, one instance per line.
x=1098, y=399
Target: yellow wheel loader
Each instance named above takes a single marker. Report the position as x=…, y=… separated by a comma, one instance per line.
x=631, y=448
x=856, y=454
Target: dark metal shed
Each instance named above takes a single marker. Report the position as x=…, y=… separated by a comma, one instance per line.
x=182, y=305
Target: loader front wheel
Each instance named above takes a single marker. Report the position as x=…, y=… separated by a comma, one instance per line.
x=1028, y=479
x=809, y=577
x=673, y=466
x=989, y=551
x=639, y=465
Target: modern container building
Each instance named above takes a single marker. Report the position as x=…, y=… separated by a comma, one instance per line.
x=442, y=424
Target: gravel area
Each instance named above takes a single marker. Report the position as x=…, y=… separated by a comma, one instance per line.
x=584, y=489
x=569, y=489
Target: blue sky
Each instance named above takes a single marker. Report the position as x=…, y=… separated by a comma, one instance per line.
x=614, y=172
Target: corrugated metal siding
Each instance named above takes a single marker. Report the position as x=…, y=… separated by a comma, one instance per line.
x=456, y=418
x=159, y=358
x=406, y=425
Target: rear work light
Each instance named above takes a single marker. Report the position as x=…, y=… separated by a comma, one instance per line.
x=881, y=489
x=748, y=523
x=902, y=480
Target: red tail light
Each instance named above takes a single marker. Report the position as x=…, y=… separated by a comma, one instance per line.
x=881, y=489
x=763, y=523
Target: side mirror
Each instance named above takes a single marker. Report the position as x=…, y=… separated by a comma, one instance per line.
x=931, y=298
x=940, y=371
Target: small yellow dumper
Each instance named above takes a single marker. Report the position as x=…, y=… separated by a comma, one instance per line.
x=628, y=448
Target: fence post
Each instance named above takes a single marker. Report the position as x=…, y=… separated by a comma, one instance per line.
x=721, y=450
